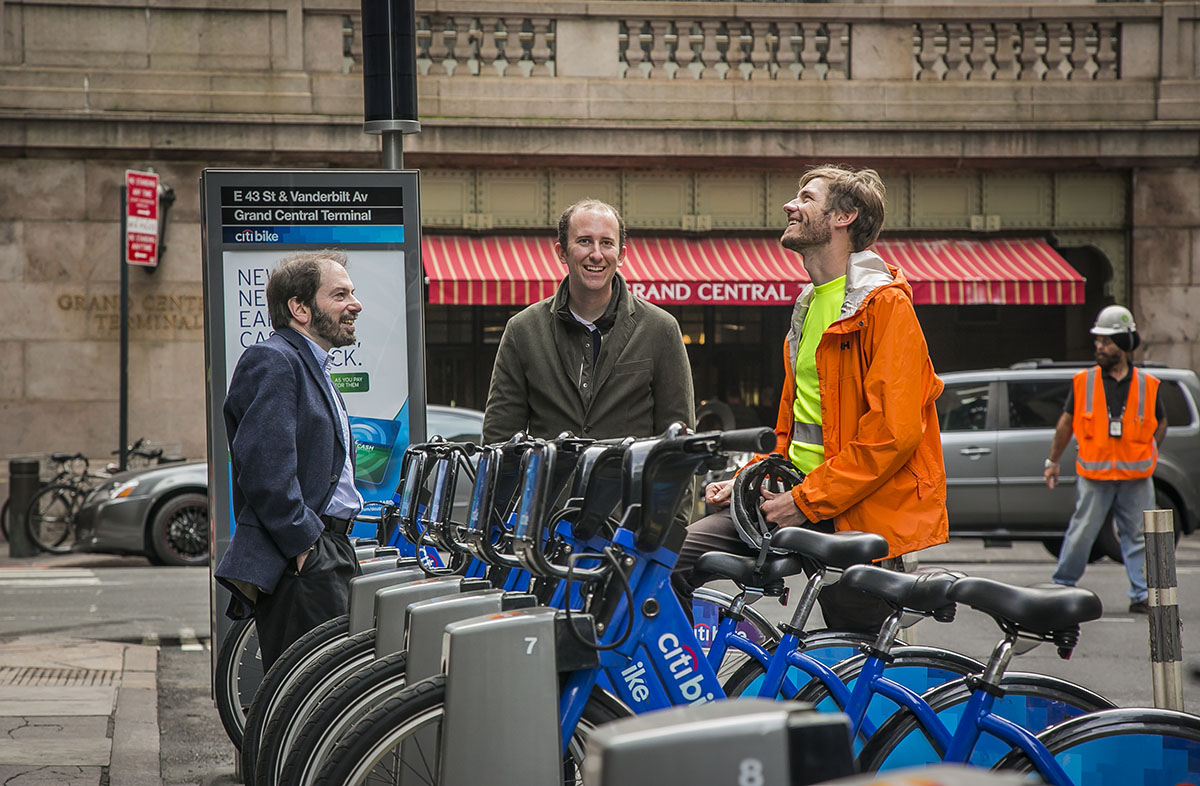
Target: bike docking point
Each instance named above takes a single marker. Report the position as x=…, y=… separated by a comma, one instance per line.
x=392, y=604
x=363, y=589
x=749, y=740
x=497, y=666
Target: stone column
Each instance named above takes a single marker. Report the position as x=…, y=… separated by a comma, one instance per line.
x=1165, y=264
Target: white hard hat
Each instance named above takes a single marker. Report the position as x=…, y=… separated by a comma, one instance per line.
x=1112, y=321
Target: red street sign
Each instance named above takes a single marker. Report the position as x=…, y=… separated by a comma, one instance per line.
x=141, y=218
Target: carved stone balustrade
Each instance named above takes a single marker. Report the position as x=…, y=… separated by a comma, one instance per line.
x=1028, y=51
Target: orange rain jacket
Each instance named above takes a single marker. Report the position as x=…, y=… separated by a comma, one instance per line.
x=883, y=469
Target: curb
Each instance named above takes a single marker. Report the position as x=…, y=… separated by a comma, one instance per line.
x=135, y=740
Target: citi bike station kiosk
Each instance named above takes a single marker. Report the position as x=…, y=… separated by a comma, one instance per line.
x=252, y=219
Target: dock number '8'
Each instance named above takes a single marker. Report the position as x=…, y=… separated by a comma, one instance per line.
x=750, y=773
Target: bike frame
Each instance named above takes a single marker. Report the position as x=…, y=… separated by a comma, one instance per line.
x=659, y=663
x=977, y=718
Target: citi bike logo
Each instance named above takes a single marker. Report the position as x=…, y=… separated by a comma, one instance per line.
x=681, y=662
x=635, y=679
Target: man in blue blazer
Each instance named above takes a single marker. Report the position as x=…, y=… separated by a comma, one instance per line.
x=290, y=560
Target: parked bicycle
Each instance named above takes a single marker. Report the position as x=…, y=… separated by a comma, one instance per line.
x=50, y=517
x=65, y=466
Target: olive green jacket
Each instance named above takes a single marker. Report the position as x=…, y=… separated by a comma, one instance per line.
x=641, y=382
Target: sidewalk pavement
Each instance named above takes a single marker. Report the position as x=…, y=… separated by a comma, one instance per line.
x=76, y=712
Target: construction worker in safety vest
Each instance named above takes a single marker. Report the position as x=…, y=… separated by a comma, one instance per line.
x=1118, y=423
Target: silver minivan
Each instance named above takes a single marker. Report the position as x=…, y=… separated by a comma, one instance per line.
x=996, y=430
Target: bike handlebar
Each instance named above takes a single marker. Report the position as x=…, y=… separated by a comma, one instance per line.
x=747, y=440
x=657, y=472
x=477, y=534
x=650, y=505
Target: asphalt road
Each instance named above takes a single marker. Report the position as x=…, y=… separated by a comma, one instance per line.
x=128, y=600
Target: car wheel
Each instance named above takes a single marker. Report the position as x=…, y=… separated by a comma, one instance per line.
x=179, y=530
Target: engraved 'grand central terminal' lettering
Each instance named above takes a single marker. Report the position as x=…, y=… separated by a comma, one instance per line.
x=151, y=312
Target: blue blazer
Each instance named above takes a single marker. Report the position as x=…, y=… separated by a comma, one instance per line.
x=286, y=451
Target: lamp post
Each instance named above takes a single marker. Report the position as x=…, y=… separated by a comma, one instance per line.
x=390, y=75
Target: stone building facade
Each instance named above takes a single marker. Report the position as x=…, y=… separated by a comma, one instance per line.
x=1076, y=122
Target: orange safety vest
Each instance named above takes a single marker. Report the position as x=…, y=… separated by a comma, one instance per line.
x=1130, y=456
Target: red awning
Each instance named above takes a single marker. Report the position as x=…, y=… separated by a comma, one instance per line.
x=517, y=270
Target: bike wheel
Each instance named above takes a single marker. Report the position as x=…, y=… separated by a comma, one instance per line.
x=362, y=692
x=50, y=519
x=303, y=651
x=373, y=751
x=301, y=696
x=238, y=674
x=829, y=647
x=1032, y=701
x=4, y=520
x=1121, y=747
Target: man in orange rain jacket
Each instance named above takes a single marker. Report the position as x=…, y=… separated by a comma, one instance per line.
x=857, y=414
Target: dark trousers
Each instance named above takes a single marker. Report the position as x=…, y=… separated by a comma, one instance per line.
x=303, y=600
x=843, y=609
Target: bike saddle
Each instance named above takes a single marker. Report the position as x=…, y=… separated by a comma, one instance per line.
x=744, y=571
x=1042, y=609
x=779, y=474
x=922, y=592
x=833, y=550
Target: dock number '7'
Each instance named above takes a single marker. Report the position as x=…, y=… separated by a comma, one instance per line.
x=530, y=641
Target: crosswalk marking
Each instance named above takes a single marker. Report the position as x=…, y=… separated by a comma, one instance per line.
x=188, y=641
x=33, y=578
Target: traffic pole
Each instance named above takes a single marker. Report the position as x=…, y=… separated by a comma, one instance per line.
x=1166, y=629
x=24, y=480
x=123, y=352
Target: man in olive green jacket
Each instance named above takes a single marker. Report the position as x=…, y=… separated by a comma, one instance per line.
x=593, y=359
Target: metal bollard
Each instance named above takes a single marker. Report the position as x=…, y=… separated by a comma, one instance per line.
x=24, y=480
x=1166, y=629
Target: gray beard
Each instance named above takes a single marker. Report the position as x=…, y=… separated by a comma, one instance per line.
x=329, y=329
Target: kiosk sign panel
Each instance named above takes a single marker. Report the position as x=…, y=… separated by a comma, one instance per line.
x=254, y=219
